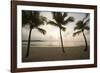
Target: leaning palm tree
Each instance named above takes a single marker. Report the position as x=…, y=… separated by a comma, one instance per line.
x=80, y=27
x=59, y=20
x=34, y=20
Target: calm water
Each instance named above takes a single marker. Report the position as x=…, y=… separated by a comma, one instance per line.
x=54, y=44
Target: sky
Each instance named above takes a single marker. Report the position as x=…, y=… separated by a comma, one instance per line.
x=53, y=32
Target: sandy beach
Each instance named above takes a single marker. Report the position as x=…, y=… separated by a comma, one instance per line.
x=54, y=53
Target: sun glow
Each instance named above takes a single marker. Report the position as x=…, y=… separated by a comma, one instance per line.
x=52, y=32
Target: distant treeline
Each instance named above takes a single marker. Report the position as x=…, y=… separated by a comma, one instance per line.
x=33, y=41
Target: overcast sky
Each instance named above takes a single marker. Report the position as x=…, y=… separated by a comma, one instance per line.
x=53, y=32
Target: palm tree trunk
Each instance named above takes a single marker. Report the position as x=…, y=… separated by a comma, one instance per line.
x=28, y=46
x=86, y=46
x=62, y=42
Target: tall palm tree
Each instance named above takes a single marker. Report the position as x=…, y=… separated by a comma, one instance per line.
x=81, y=25
x=34, y=20
x=59, y=20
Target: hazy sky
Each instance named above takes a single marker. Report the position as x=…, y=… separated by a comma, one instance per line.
x=53, y=32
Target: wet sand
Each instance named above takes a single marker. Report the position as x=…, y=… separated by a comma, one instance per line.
x=37, y=54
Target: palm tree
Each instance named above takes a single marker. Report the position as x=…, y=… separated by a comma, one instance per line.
x=59, y=20
x=34, y=20
x=81, y=25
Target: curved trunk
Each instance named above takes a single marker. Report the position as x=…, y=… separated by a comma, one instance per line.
x=62, y=42
x=28, y=46
x=86, y=46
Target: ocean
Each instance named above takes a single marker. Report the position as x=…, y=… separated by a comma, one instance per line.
x=54, y=43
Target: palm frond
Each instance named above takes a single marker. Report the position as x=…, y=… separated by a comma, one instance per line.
x=86, y=16
x=86, y=22
x=36, y=14
x=77, y=32
x=79, y=23
x=70, y=19
x=40, y=21
x=59, y=17
x=65, y=14
x=52, y=23
x=42, y=18
x=57, y=25
x=63, y=28
x=41, y=30
x=54, y=15
x=77, y=28
x=24, y=18
x=37, y=20
x=86, y=28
